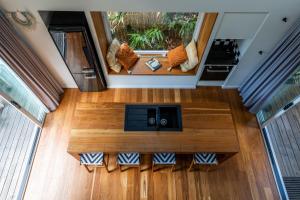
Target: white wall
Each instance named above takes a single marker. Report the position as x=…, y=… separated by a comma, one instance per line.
x=272, y=30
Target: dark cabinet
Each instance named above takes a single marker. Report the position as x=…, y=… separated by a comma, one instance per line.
x=216, y=72
x=222, y=57
x=87, y=82
x=71, y=35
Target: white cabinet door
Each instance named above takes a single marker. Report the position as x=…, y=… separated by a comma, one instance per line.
x=240, y=25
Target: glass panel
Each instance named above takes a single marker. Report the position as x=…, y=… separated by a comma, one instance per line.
x=152, y=30
x=18, y=142
x=286, y=93
x=12, y=86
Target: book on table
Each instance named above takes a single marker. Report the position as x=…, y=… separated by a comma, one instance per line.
x=153, y=64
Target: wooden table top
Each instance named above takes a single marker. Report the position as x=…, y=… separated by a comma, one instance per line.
x=207, y=127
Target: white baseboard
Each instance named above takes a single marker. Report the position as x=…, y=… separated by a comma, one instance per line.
x=217, y=83
x=230, y=86
x=210, y=83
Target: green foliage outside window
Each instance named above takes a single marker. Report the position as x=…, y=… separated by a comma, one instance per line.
x=153, y=30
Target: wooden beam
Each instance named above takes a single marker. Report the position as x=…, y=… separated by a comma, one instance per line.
x=101, y=34
x=205, y=33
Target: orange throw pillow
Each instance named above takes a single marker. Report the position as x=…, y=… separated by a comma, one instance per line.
x=126, y=56
x=177, y=56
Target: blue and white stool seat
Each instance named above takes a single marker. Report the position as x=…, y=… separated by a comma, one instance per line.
x=205, y=158
x=128, y=159
x=95, y=158
x=164, y=158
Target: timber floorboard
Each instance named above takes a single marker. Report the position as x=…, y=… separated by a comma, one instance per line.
x=57, y=175
x=285, y=138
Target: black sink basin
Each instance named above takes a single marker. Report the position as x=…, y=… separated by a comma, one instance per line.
x=168, y=117
x=153, y=118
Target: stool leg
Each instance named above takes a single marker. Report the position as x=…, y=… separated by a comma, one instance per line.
x=88, y=169
x=93, y=182
x=207, y=168
x=106, y=163
x=172, y=168
x=152, y=167
x=119, y=167
x=191, y=165
x=140, y=163
x=213, y=167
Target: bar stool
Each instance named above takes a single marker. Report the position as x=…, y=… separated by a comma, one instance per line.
x=94, y=159
x=166, y=159
x=207, y=159
x=128, y=159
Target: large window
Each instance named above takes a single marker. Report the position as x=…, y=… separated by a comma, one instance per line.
x=152, y=30
x=14, y=89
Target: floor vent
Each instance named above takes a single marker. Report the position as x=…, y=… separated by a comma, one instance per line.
x=292, y=185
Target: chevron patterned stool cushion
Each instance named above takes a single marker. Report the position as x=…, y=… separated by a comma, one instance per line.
x=128, y=158
x=164, y=158
x=91, y=158
x=205, y=158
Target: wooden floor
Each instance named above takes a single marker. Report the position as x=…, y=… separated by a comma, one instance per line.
x=17, y=138
x=284, y=133
x=57, y=175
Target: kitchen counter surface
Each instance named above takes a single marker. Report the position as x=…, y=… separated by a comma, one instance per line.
x=99, y=127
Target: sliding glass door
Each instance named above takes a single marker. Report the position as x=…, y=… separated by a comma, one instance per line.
x=285, y=96
x=282, y=136
x=14, y=91
x=280, y=122
x=18, y=141
x=21, y=118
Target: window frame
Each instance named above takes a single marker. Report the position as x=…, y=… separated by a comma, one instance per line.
x=162, y=53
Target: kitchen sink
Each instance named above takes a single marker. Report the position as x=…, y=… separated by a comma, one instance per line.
x=153, y=118
x=168, y=117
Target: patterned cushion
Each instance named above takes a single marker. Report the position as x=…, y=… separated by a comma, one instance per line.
x=164, y=158
x=128, y=158
x=111, y=56
x=91, y=158
x=192, y=55
x=205, y=158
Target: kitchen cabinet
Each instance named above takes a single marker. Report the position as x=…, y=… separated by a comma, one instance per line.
x=240, y=25
x=72, y=37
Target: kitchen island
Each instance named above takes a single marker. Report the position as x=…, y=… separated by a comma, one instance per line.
x=207, y=127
